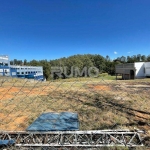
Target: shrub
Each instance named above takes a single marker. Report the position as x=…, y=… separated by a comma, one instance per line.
x=103, y=74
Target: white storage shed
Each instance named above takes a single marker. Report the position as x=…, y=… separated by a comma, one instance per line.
x=133, y=70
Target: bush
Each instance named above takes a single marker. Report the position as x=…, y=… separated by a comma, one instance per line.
x=103, y=74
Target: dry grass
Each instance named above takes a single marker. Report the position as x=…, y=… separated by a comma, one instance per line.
x=100, y=104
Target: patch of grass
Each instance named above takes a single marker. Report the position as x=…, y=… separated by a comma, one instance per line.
x=104, y=76
x=108, y=77
x=100, y=104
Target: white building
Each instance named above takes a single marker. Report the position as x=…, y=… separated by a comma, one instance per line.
x=29, y=72
x=133, y=70
x=147, y=69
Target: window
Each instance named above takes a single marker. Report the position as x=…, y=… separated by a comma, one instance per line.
x=18, y=72
x=5, y=71
x=22, y=72
x=6, y=64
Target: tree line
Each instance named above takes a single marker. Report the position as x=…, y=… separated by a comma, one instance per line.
x=104, y=64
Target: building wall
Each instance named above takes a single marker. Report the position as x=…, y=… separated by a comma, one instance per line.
x=124, y=68
x=4, y=71
x=139, y=66
x=147, y=69
x=4, y=60
x=13, y=72
x=29, y=72
x=133, y=70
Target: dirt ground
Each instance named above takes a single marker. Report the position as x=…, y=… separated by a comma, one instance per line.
x=12, y=121
x=10, y=92
x=121, y=104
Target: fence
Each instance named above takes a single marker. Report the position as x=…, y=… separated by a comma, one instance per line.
x=112, y=114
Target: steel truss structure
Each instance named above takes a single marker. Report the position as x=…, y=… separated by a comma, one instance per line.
x=88, y=139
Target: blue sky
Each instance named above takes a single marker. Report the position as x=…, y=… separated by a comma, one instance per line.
x=50, y=29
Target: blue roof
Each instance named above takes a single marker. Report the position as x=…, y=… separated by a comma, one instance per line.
x=65, y=121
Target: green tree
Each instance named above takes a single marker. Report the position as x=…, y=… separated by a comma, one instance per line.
x=46, y=69
x=148, y=58
x=143, y=58
x=138, y=58
x=34, y=63
x=25, y=62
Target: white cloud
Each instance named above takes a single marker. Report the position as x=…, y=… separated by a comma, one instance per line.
x=115, y=52
x=129, y=52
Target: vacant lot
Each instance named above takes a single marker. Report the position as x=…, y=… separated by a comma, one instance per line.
x=100, y=104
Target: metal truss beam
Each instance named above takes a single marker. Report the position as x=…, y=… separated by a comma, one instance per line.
x=95, y=138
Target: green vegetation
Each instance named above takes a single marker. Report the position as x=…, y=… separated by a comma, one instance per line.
x=104, y=64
